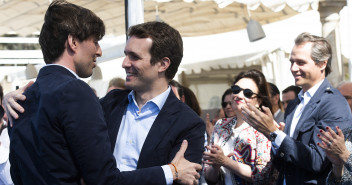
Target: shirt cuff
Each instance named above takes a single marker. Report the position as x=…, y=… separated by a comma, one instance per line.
x=279, y=138
x=168, y=174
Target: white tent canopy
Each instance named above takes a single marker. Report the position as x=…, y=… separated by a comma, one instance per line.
x=233, y=50
x=190, y=17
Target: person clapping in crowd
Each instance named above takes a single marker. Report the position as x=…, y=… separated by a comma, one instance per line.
x=239, y=154
x=338, y=150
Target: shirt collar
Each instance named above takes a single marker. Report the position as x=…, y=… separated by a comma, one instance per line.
x=310, y=93
x=64, y=67
x=158, y=100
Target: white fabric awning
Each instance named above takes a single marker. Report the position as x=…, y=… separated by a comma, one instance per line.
x=274, y=5
x=190, y=17
x=233, y=49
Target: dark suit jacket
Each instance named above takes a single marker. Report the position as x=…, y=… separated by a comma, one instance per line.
x=62, y=137
x=175, y=122
x=299, y=158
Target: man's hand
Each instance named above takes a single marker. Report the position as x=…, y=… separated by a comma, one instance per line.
x=10, y=102
x=261, y=121
x=187, y=171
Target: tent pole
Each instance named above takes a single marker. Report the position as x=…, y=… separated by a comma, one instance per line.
x=126, y=18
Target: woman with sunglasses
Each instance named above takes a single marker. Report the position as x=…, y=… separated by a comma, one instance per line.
x=226, y=101
x=239, y=154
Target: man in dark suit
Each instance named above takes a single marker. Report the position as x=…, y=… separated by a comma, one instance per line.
x=296, y=154
x=62, y=138
x=147, y=123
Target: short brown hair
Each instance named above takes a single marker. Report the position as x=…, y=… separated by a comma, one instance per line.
x=62, y=19
x=321, y=49
x=167, y=42
x=117, y=82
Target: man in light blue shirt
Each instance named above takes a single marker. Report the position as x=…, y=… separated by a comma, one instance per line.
x=147, y=123
x=154, y=126
x=295, y=151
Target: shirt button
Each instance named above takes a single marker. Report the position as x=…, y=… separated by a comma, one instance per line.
x=282, y=154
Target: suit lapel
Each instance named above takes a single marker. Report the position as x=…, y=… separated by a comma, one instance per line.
x=310, y=107
x=160, y=127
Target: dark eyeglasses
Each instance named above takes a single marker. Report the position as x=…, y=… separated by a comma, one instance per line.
x=246, y=92
x=224, y=104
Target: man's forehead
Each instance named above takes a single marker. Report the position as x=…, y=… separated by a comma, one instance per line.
x=138, y=43
x=298, y=50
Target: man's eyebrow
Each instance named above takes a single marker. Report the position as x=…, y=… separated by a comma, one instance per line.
x=134, y=54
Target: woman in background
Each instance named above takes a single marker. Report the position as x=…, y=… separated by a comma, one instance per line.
x=238, y=153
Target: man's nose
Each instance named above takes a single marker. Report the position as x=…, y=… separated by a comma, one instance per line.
x=99, y=52
x=126, y=62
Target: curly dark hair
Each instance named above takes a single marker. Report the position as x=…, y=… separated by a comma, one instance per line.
x=321, y=49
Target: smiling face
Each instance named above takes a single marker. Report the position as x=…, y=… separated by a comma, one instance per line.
x=85, y=60
x=140, y=73
x=304, y=70
x=240, y=100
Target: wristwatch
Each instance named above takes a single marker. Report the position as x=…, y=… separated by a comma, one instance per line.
x=272, y=136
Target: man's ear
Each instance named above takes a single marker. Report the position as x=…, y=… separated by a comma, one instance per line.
x=72, y=43
x=322, y=65
x=164, y=64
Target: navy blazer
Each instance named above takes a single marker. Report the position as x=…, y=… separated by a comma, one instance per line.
x=175, y=122
x=62, y=137
x=299, y=158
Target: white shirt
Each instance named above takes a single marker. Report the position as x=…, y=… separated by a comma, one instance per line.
x=5, y=177
x=306, y=96
x=134, y=128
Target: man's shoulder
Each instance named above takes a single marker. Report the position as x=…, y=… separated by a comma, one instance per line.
x=330, y=94
x=114, y=97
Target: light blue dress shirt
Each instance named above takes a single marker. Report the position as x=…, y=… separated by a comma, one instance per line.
x=134, y=128
x=305, y=96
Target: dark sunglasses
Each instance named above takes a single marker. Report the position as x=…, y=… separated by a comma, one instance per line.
x=246, y=92
x=224, y=104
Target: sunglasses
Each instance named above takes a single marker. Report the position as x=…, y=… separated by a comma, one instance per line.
x=224, y=104
x=246, y=92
